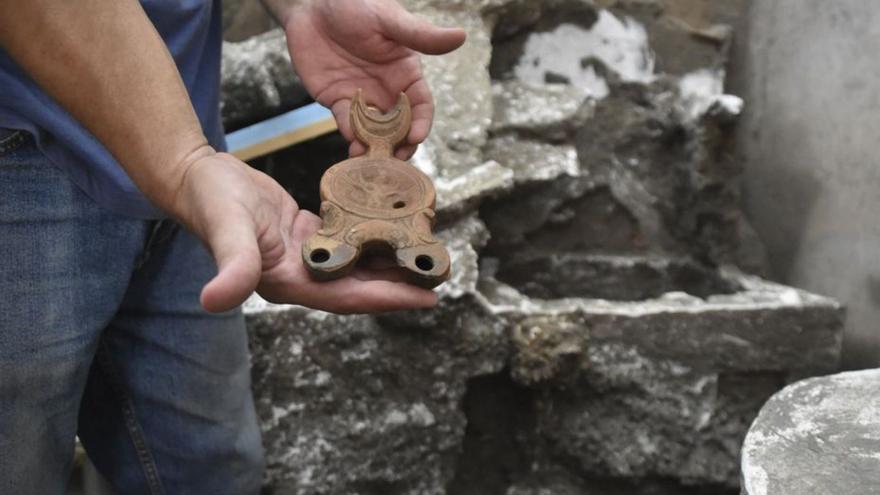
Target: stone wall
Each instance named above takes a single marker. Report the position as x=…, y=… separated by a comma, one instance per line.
x=599, y=334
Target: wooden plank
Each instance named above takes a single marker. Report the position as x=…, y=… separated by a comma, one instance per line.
x=280, y=132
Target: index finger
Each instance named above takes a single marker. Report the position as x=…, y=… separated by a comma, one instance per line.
x=422, y=111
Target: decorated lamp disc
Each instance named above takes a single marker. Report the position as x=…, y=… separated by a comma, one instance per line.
x=377, y=203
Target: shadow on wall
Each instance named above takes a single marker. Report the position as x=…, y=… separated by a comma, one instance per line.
x=244, y=18
x=808, y=140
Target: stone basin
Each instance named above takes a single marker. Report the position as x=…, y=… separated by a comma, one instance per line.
x=614, y=277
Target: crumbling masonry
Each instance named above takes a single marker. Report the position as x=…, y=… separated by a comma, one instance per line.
x=600, y=333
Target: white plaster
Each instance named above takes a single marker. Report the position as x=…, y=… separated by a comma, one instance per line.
x=279, y=413
x=703, y=420
x=703, y=88
x=869, y=416
x=396, y=417
x=296, y=349
x=424, y=159
x=756, y=294
x=421, y=415
x=645, y=443
x=790, y=296
x=362, y=352
x=756, y=480
x=322, y=378
x=620, y=43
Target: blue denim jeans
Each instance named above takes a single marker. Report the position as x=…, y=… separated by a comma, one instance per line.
x=102, y=336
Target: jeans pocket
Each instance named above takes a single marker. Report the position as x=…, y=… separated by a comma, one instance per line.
x=11, y=140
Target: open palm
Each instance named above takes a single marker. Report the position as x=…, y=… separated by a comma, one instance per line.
x=255, y=231
x=338, y=46
x=253, y=228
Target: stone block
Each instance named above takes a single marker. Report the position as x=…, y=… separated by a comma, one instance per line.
x=623, y=390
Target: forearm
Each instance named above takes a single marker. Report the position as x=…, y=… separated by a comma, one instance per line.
x=104, y=62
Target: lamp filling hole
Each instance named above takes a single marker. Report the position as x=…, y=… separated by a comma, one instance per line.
x=319, y=255
x=399, y=204
x=425, y=263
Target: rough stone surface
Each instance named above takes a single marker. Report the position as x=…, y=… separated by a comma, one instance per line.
x=805, y=335
x=662, y=388
x=465, y=192
x=350, y=407
x=599, y=334
x=533, y=161
x=658, y=167
x=627, y=278
x=550, y=110
x=258, y=80
x=817, y=436
x=463, y=104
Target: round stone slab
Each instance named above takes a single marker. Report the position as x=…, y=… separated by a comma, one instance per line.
x=818, y=436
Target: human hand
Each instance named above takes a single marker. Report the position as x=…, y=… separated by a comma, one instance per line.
x=255, y=231
x=338, y=46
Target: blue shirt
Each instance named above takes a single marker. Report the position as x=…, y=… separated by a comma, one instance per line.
x=192, y=30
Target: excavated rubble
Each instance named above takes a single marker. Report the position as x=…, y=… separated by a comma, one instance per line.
x=603, y=331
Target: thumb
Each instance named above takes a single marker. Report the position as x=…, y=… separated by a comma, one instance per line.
x=420, y=35
x=239, y=265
